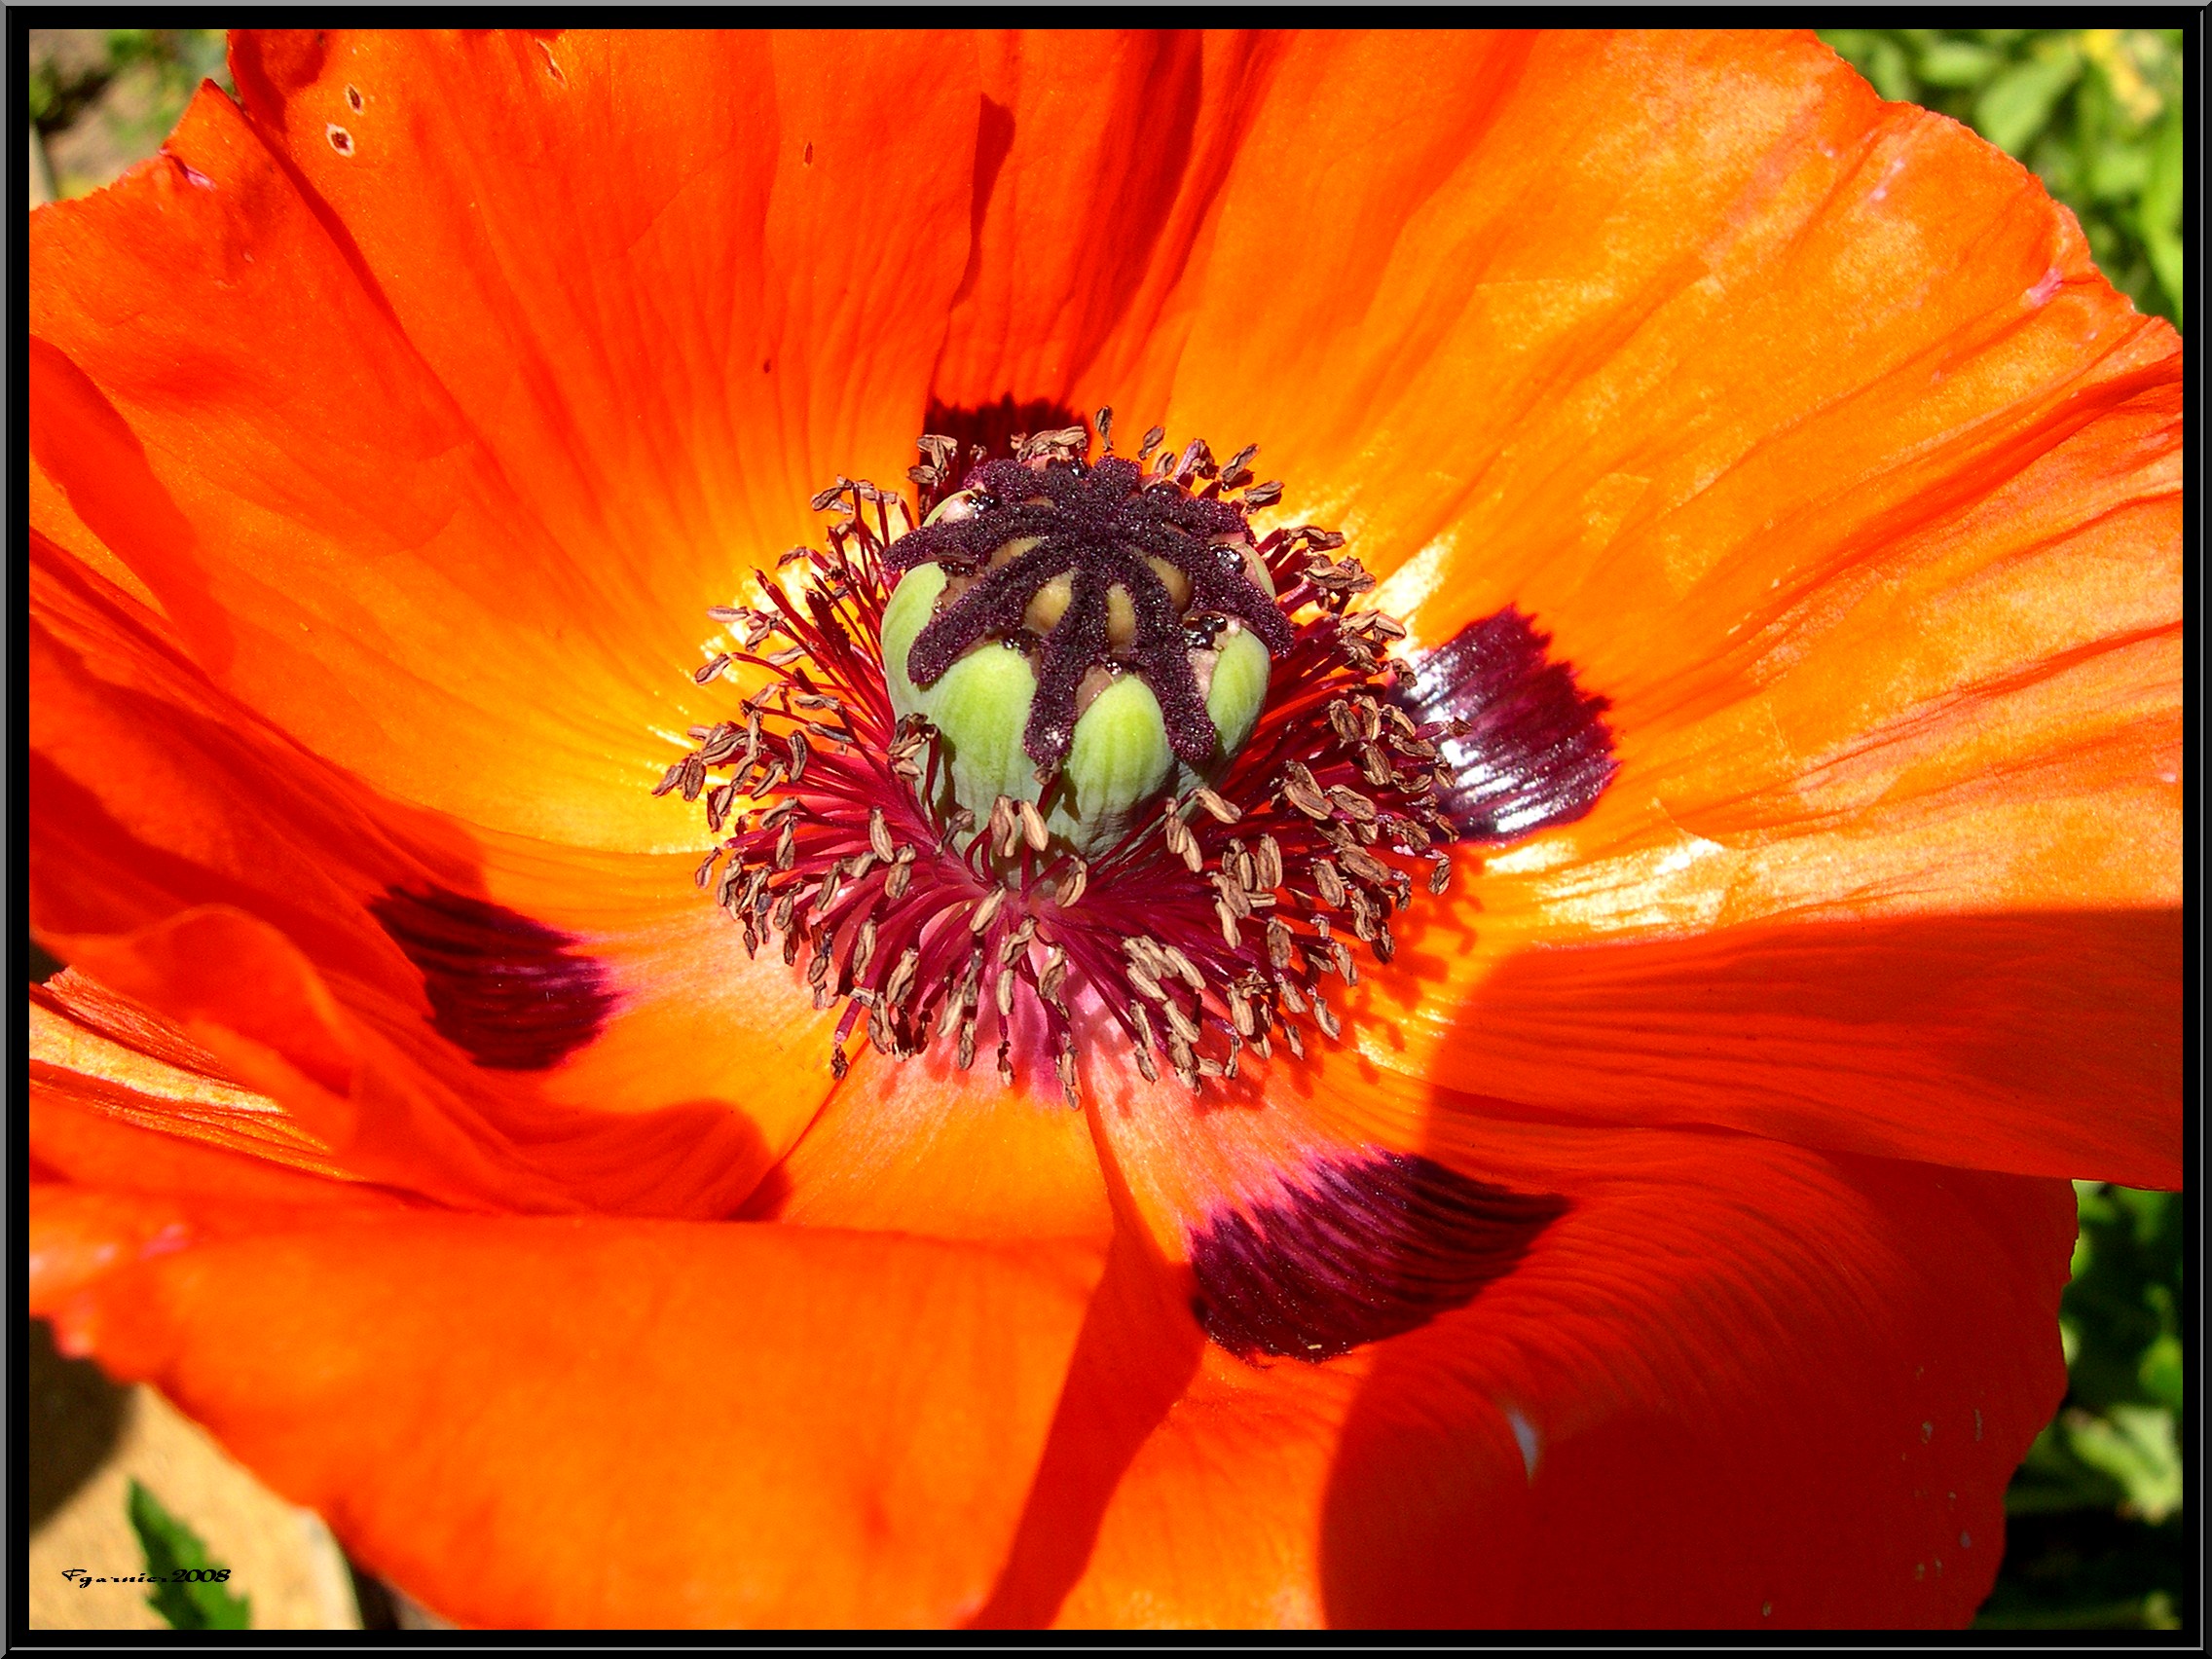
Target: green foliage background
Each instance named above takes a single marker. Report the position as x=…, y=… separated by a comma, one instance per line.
x=2096, y=1529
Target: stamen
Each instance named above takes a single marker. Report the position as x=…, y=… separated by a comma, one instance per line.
x=977, y=923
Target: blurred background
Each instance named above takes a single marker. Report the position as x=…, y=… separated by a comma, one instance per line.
x=2096, y=1538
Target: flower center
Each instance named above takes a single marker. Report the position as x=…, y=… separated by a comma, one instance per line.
x=1136, y=621
x=1081, y=759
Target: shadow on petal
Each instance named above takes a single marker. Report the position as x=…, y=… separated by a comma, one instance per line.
x=2042, y=1043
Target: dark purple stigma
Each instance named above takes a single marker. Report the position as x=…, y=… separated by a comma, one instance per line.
x=1099, y=525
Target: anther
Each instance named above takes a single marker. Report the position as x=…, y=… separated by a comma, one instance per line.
x=1033, y=828
x=1070, y=889
x=1016, y=942
x=1054, y=976
x=1005, y=828
x=1217, y=808
x=987, y=910
x=1329, y=885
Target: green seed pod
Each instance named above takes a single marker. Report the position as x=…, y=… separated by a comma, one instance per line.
x=980, y=704
x=1238, y=693
x=1119, y=759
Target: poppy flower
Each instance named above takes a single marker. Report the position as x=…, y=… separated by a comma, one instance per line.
x=1757, y=610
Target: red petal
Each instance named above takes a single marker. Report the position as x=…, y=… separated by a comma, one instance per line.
x=76, y=1237
x=1738, y=1385
x=377, y=1110
x=121, y=1123
x=1097, y=160
x=2045, y=1043
x=133, y=1157
x=1807, y=428
x=1902, y=877
x=156, y=793
x=591, y=1424
x=920, y=1147
x=436, y=449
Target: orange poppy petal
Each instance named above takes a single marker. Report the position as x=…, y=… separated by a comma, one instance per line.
x=1613, y=300
x=75, y=1238
x=135, y=1154
x=156, y=794
x=326, y=563
x=1137, y=1356
x=1135, y=192
x=1179, y=1157
x=1913, y=884
x=691, y=1020
x=479, y=574
x=1599, y=279
x=1979, y=714
x=153, y=790
x=917, y=1146
x=762, y=1426
x=650, y=266
x=1098, y=157
x=1807, y=428
x=1802, y=421
x=384, y=1109
x=1301, y=1215
x=1736, y=1384
x=104, y=1116
x=81, y=1235
x=2042, y=1043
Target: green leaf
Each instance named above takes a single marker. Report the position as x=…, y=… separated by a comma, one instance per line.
x=2148, y=1213
x=172, y=1550
x=1891, y=72
x=2051, y=1480
x=1957, y=63
x=1878, y=56
x=2161, y=1371
x=2159, y=214
x=2014, y=106
x=2153, y=1612
x=2118, y=171
x=2167, y=262
x=2135, y=1446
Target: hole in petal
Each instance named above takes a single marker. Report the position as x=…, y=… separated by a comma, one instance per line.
x=1357, y=1250
x=507, y=989
x=1535, y=751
